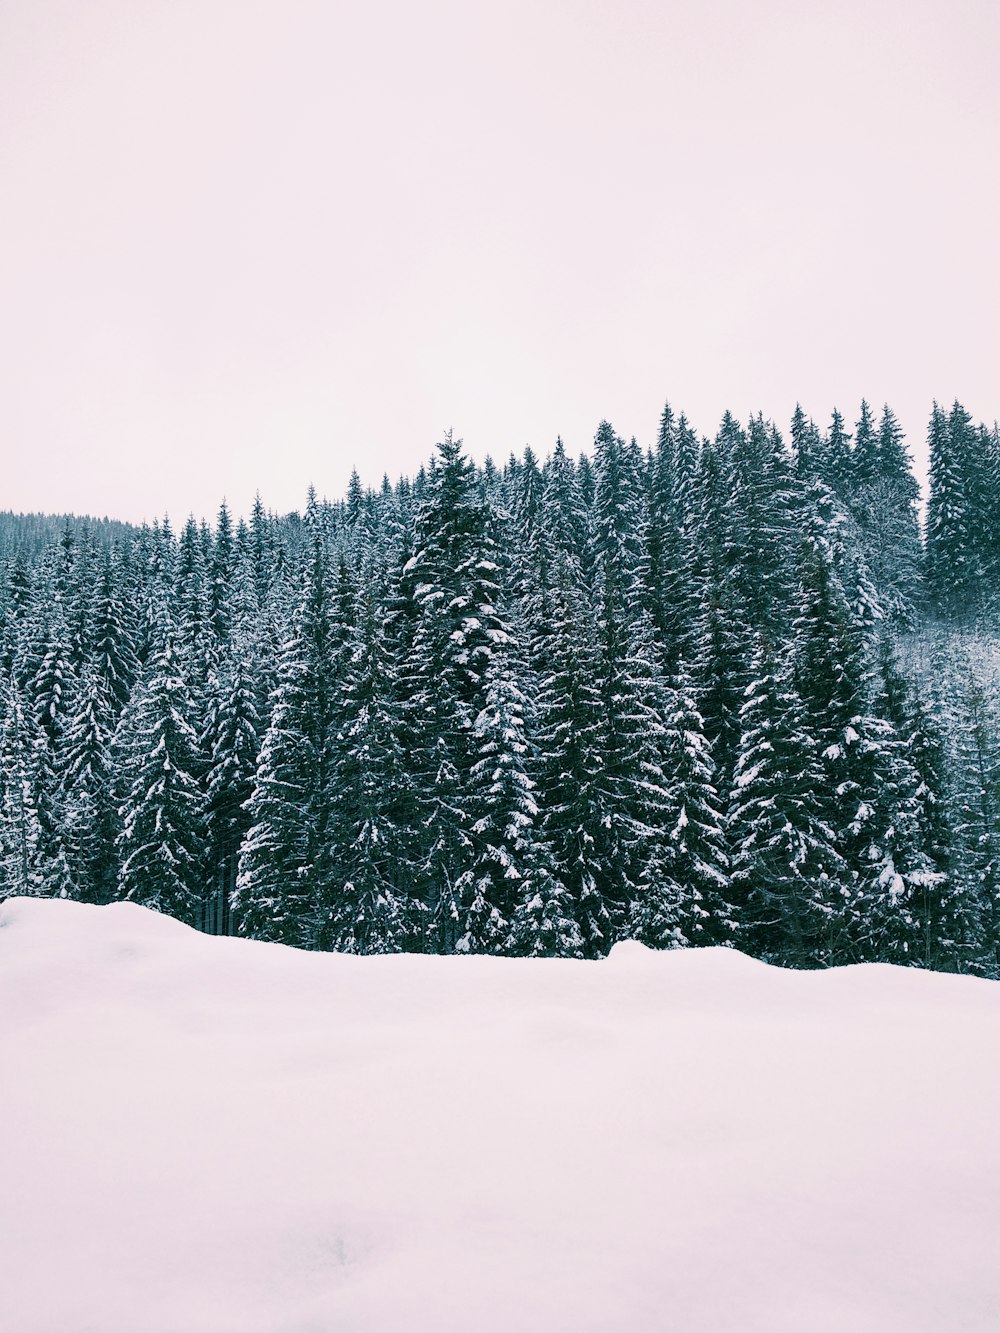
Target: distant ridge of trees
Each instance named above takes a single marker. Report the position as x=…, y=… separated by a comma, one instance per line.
x=715, y=691
x=29, y=534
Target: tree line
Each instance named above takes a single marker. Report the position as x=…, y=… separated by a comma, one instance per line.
x=718, y=691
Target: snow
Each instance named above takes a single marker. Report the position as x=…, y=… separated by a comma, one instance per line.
x=219, y=1136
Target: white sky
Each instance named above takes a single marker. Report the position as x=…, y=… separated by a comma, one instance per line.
x=249, y=245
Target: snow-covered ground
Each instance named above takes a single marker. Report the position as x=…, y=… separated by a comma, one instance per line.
x=210, y=1135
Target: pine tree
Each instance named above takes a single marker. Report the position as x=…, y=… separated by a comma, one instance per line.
x=631, y=784
x=232, y=743
x=220, y=576
x=575, y=815
x=975, y=740
x=946, y=917
x=458, y=632
x=669, y=591
x=837, y=461
x=760, y=537
x=114, y=648
x=86, y=813
x=21, y=866
x=952, y=565
x=369, y=909
x=807, y=447
x=719, y=653
x=50, y=687
x=194, y=641
x=276, y=896
x=829, y=678
x=503, y=862
x=160, y=845
x=783, y=856
x=696, y=861
x=885, y=507
x=865, y=460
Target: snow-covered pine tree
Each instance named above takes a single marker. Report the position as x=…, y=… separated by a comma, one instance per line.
x=953, y=574
x=231, y=741
x=368, y=904
x=829, y=678
x=884, y=505
x=760, y=537
x=973, y=712
x=575, y=815
x=669, y=592
x=276, y=897
x=783, y=858
x=631, y=785
x=946, y=914
x=807, y=447
x=193, y=637
x=838, y=466
x=680, y=885
x=694, y=868
x=219, y=572
x=720, y=648
x=458, y=632
x=87, y=818
x=22, y=870
x=865, y=462
x=502, y=866
x=160, y=845
x=114, y=654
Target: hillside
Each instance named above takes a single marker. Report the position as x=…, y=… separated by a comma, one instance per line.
x=720, y=691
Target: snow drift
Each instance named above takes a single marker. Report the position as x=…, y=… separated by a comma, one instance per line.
x=209, y=1135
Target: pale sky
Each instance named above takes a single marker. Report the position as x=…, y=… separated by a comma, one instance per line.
x=251, y=245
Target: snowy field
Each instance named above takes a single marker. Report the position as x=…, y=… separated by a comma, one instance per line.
x=209, y=1135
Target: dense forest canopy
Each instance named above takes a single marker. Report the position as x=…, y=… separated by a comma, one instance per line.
x=720, y=691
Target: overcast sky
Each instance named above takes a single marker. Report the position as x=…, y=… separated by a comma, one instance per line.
x=249, y=245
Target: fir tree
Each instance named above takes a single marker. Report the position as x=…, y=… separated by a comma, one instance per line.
x=232, y=743
x=783, y=856
x=162, y=818
x=369, y=910
x=22, y=870
x=575, y=814
x=276, y=897
x=86, y=812
x=952, y=566
x=457, y=634
x=695, y=860
x=503, y=864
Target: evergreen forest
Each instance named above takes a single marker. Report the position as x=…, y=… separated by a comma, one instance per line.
x=739, y=690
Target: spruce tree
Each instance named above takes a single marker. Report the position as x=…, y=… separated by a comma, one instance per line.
x=783, y=855
x=458, y=632
x=368, y=905
x=502, y=866
x=631, y=782
x=232, y=743
x=277, y=897
x=574, y=806
x=86, y=813
x=22, y=870
x=162, y=818
x=952, y=565
x=683, y=890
